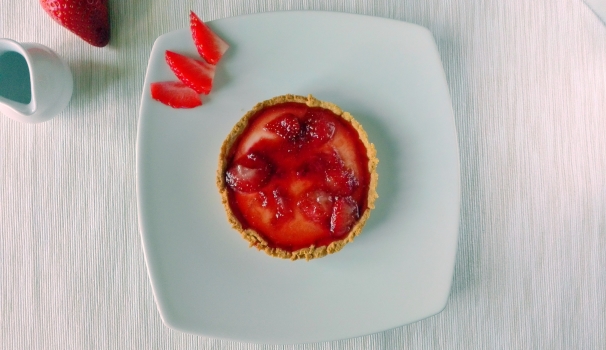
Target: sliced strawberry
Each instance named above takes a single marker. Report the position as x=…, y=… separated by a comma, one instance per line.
x=270, y=207
x=318, y=129
x=175, y=94
x=286, y=126
x=341, y=181
x=316, y=205
x=249, y=173
x=87, y=19
x=344, y=215
x=196, y=74
x=210, y=46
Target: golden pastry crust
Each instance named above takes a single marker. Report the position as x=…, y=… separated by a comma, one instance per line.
x=254, y=238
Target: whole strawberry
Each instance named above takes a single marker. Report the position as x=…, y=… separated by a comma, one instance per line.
x=88, y=19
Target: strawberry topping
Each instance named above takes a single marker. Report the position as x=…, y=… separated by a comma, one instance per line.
x=175, y=94
x=316, y=205
x=316, y=186
x=249, y=173
x=341, y=181
x=318, y=127
x=286, y=126
x=344, y=216
x=209, y=45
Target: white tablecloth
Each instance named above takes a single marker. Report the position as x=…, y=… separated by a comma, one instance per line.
x=528, y=85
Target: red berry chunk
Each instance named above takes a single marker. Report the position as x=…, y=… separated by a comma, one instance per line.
x=286, y=126
x=341, y=181
x=209, y=45
x=248, y=174
x=175, y=94
x=196, y=74
x=316, y=205
x=318, y=128
x=344, y=216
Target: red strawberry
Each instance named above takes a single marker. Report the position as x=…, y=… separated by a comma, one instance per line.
x=196, y=74
x=281, y=202
x=249, y=173
x=344, y=215
x=175, y=94
x=87, y=19
x=316, y=205
x=286, y=126
x=341, y=181
x=318, y=130
x=210, y=46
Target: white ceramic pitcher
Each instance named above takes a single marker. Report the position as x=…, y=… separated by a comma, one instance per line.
x=35, y=83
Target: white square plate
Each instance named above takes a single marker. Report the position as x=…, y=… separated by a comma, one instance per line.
x=206, y=279
x=599, y=7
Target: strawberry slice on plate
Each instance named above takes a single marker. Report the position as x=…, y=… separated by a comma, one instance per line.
x=210, y=46
x=87, y=19
x=175, y=94
x=196, y=74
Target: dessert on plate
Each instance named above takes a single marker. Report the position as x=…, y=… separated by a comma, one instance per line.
x=297, y=177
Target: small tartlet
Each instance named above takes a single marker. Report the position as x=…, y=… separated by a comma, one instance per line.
x=257, y=239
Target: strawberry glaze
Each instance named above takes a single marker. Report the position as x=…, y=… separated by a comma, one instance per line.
x=313, y=182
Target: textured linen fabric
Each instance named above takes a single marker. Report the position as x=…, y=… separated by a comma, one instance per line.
x=528, y=87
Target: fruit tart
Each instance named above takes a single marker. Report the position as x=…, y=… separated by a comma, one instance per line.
x=297, y=177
